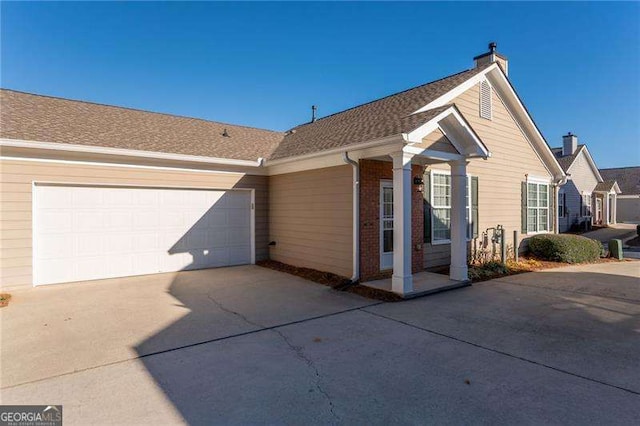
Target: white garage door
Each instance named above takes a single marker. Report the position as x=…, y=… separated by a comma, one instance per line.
x=88, y=232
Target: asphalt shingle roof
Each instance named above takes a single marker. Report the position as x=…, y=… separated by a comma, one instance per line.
x=628, y=178
x=377, y=119
x=32, y=117
x=605, y=186
x=566, y=161
x=46, y=119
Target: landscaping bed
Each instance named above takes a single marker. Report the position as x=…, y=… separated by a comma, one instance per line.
x=331, y=280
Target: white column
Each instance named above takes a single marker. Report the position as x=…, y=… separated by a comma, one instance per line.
x=402, y=279
x=605, y=208
x=614, y=207
x=458, y=270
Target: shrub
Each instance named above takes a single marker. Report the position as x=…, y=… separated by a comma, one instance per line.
x=638, y=230
x=565, y=248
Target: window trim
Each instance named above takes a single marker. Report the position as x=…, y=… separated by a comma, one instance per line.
x=538, y=183
x=433, y=207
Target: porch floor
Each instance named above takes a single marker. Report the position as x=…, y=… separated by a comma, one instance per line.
x=424, y=283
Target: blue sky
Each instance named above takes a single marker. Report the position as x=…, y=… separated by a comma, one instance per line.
x=575, y=65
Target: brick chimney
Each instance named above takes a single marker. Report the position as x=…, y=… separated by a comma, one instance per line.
x=569, y=144
x=492, y=56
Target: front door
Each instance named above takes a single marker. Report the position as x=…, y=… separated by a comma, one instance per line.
x=386, y=225
x=599, y=210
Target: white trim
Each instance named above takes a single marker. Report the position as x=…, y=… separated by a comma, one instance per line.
x=499, y=81
x=628, y=197
x=384, y=183
x=468, y=206
x=456, y=91
x=432, y=154
x=18, y=143
x=124, y=165
x=538, y=179
x=338, y=150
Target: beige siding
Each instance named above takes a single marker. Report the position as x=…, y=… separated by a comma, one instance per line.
x=437, y=141
x=499, y=177
x=310, y=219
x=16, y=181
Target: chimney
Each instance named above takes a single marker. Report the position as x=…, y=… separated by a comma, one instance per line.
x=492, y=56
x=569, y=144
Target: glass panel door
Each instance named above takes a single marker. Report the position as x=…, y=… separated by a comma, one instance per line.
x=386, y=225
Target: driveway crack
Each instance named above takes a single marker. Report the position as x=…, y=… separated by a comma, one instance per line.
x=300, y=354
x=232, y=312
x=296, y=349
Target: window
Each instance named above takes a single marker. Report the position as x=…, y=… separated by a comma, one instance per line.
x=537, y=207
x=562, y=204
x=485, y=100
x=437, y=207
x=586, y=205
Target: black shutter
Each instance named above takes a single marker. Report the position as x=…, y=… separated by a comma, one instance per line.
x=474, y=207
x=426, y=201
x=524, y=207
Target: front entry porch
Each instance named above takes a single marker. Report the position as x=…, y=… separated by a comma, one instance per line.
x=392, y=201
x=424, y=283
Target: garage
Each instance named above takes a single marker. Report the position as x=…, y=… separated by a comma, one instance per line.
x=90, y=232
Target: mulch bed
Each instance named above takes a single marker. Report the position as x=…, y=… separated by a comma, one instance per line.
x=334, y=281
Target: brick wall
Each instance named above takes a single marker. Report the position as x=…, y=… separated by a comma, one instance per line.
x=371, y=173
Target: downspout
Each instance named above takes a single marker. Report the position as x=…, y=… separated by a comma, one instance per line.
x=356, y=217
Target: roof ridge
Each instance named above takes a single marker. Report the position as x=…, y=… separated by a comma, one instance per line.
x=136, y=109
x=619, y=168
x=384, y=97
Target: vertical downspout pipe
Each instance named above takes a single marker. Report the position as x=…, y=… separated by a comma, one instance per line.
x=356, y=216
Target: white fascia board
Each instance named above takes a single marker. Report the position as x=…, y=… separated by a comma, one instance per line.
x=338, y=150
x=458, y=90
x=416, y=135
x=453, y=125
x=498, y=80
x=433, y=154
x=17, y=143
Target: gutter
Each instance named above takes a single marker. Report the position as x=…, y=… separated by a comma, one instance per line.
x=16, y=143
x=356, y=219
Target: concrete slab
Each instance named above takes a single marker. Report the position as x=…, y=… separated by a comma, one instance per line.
x=619, y=231
x=53, y=330
x=584, y=319
x=351, y=368
x=424, y=283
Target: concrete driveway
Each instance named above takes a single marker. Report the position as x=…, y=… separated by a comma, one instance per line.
x=248, y=345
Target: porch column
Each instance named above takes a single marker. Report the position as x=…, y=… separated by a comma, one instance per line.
x=458, y=269
x=402, y=280
x=614, y=208
x=605, y=209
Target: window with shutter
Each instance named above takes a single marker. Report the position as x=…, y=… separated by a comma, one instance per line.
x=485, y=100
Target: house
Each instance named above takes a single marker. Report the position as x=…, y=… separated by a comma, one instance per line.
x=586, y=199
x=627, y=204
x=395, y=186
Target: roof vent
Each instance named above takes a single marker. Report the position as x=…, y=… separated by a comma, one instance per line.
x=314, y=109
x=225, y=134
x=485, y=100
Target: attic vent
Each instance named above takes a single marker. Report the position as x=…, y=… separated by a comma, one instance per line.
x=485, y=100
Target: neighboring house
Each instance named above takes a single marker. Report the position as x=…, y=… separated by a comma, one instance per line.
x=628, y=202
x=586, y=199
x=398, y=184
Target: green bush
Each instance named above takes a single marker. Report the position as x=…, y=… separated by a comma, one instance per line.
x=565, y=248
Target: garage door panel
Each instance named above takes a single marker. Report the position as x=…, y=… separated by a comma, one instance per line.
x=85, y=233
